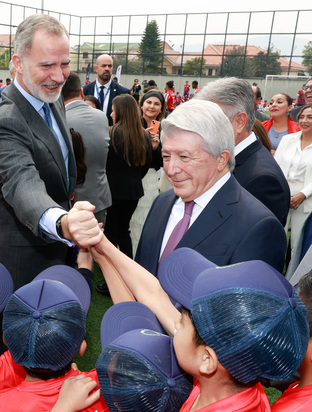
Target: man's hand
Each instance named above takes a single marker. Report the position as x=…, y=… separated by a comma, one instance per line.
x=75, y=394
x=81, y=226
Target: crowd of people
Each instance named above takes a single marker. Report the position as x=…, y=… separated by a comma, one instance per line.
x=203, y=316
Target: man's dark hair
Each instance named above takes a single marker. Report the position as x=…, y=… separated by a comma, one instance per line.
x=170, y=84
x=258, y=93
x=72, y=86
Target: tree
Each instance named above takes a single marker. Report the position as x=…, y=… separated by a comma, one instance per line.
x=264, y=63
x=307, y=60
x=234, y=63
x=194, y=66
x=5, y=59
x=151, y=49
x=128, y=66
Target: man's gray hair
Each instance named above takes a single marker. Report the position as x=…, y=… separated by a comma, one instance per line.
x=26, y=30
x=235, y=96
x=208, y=121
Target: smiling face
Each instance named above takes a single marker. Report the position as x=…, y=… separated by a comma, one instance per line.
x=308, y=92
x=45, y=68
x=190, y=169
x=305, y=121
x=151, y=108
x=278, y=106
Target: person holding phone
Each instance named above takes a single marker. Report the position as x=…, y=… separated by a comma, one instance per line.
x=153, y=107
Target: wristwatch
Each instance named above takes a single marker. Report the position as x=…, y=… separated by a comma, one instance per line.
x=58, y=225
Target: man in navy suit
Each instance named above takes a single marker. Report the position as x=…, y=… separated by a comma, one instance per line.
x=103, y=88
x=228, y=225
x=255, y=167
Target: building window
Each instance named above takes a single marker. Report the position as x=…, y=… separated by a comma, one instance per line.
x=85, y=55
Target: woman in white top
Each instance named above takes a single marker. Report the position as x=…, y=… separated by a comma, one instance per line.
x=294, y=155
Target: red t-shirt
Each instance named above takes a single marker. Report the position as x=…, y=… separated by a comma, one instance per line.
x=186, y=89
x=250, y=400
x=294, y=399
x=170, y=99
x=11, y=374
x=41, y=396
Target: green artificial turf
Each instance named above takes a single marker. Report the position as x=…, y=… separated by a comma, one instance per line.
x=99, y=305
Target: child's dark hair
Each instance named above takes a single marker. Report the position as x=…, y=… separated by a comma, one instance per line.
x=46, y=374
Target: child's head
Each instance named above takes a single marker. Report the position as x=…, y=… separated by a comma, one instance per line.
x=137, y=369
x=248, y=313
x=44, y=325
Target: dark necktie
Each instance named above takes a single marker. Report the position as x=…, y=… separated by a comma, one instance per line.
x=179, y=230
x=102, y=96
x=48, y=119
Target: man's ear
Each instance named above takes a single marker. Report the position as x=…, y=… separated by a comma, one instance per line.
x=82, y=93
x=209, y=361
x=223, y=160
x=18, y=63
x=240, y=121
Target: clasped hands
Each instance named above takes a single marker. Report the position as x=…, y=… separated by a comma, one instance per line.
x=82, y=227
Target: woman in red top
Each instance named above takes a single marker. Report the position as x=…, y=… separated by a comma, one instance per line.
x=279, y=125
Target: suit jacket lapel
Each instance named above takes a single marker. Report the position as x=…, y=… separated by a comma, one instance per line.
x=112, y=94
x=41, y=130
x=57, y=108
x=215, y=214
x=159, y=226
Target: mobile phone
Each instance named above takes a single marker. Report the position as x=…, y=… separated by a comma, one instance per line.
x=154, y=128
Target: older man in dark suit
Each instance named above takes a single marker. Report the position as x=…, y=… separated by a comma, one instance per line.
x=207, y=210
x=37, y=168
x=103, y=88
x=255, y=168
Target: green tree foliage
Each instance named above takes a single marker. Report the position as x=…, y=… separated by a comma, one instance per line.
x=307, y=60
x=194, y=67
x=130, y=66
x=5, y=58
x=237, y=64
x=233, y=63
x=151, y=49
x=264, y=63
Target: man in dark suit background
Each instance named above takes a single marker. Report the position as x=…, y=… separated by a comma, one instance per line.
x=37, y=168
x=103, y=88
x=255, y=167
x=227, y=224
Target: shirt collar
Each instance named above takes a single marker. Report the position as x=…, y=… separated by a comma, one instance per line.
x=245, y=143
x=106, y=86
x=205, y=198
